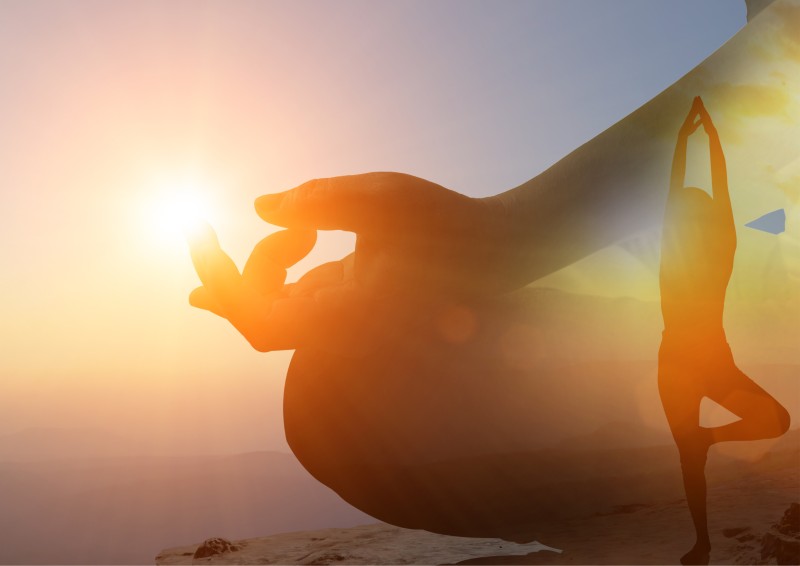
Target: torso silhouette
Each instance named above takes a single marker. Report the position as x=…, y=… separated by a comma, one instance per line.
x=697, y=261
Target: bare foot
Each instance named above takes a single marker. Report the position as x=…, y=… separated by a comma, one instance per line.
x=698, y=555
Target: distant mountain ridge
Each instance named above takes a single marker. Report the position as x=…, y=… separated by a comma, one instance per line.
x=38, y=443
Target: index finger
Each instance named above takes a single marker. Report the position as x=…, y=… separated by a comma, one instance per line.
x=350, y=202
x=370, y=203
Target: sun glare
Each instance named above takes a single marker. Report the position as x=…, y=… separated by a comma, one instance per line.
x=176, y=210
x=181, y=211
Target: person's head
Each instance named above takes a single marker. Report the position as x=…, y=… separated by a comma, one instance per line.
x=693, y=201
x=691, y=220
x=693, y=207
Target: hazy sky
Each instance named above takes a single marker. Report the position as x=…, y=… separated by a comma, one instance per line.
x=104, y=104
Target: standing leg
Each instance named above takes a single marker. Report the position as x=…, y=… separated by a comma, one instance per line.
x=693, y=464
x=681, y=397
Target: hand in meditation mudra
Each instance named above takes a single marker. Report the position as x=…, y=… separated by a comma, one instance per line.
x=431, y=389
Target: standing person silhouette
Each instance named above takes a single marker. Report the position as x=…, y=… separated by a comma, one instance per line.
x=695, y=361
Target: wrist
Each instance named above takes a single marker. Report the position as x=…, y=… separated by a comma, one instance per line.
x=495, y=218
x=504, y=253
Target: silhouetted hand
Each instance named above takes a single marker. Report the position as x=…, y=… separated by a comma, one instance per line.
x=412, y=234
x=705, y=118
x=694, y=118
x=254, y=301
x=690, y=124
x=417, y=244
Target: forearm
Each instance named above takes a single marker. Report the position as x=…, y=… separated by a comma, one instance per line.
x=611, y=187
x=616, y=184
x=719, y=172
x=678, y=177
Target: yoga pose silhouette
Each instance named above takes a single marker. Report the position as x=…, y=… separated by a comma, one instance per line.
x=695, y=361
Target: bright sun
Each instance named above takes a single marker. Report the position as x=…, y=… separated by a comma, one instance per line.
x=181, y=210
x=177, y=209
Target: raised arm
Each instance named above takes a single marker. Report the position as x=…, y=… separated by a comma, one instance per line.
x=688, y=127
x=719, y=171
